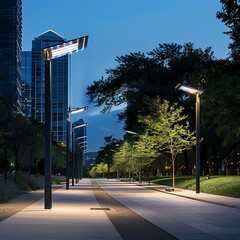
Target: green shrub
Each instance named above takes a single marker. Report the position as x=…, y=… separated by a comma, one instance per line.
x=8, y=190
x=27, y=182
x=56, y=180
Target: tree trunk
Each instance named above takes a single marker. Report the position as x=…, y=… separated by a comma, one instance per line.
x=173, y=173
x=108, y=170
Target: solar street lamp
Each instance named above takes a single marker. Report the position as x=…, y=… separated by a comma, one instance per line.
x=73, y=148
x=69, y=113
x=50, y=53
x=81, y=150
x=198, y=93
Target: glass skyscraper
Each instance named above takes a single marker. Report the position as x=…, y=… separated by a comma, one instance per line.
x=26, y=68
x=60, y=84
x=10, y=49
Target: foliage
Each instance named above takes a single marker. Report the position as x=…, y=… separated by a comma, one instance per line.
x=56, y=180
x=230, y=15
x=58, y=158
x=151, y=74
x=166, y=130
x=132, y=157
x=100, y=168
x=124, y=159
x=8, y=190
x=22, y=143
x=220, y=101
x=28, y=182
x=106, y=153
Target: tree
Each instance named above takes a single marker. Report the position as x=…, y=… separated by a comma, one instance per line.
x=101, y=168
x=7, y=108
x=21, y=133
x=219, y=112
x=107, y=151
x=126, y=158
x=166, y=130
x=153, y=74
x=230, y=15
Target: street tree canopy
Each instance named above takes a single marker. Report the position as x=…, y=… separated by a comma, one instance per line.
x=152, y=74
x=230, y=15
x=166, y=129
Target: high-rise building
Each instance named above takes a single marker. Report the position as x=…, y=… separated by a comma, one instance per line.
x=26, y=68
x=90, y=159
x=10, y=49
x=60, y=84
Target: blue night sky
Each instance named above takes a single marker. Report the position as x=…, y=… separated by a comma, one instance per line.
x=116, y=28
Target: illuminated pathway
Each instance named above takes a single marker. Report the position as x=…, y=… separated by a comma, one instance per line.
x=122, y=211
x=184, y=218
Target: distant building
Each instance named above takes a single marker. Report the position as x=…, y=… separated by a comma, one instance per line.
x=90, y=159
x=80, y=136
x=10, y=49
x=60, y=84
x=26, y=69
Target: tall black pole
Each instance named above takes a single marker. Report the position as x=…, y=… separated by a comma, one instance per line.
x=68, y=152
x=81, y=152
x=48, y=135
x=77, y=165
x=197, y=143
x=73, y=158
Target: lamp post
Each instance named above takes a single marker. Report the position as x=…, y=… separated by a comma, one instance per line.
x=73, y=147
x=81, y=149
x=198, y=93
x=69, y=113
x=83, y=141
x=50, y=53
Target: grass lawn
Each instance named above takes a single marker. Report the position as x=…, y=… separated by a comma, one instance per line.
x=220, y=185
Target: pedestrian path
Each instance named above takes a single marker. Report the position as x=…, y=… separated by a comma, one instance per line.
x=101, y=209
x=129, y=224
x=181, y=216
x=205, y=197
x=70, y=218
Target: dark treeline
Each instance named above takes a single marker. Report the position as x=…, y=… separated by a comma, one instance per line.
x=22, y=143
x=156, y=73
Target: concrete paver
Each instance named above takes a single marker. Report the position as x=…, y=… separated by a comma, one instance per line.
x=70, y=218
x=182, y=217
x=76, y=215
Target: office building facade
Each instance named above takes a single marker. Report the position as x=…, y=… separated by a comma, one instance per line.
x=10, y=49
x=80, y=136
x=26, y=69
x=60, y=84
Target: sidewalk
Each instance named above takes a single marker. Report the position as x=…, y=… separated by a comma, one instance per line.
x=178, y=213
x=86, y=212
x=204, y=197
x=70, y=218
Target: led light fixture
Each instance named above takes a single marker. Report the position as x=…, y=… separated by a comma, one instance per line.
x=65, y=48
x=189, y=89
x=77, y=110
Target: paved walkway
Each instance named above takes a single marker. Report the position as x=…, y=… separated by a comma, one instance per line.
x=204, y=197
x=86, y=212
